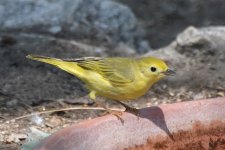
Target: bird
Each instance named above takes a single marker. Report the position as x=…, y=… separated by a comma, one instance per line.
x=116, y=78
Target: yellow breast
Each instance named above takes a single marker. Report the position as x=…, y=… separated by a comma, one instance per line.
x=129, y=92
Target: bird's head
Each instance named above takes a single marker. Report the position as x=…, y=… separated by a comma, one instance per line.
x=154, y=68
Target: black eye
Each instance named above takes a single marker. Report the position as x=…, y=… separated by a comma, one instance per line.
x=153, y=69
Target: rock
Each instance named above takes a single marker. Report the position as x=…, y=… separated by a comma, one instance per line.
x=16, y=138
x=192, y=122
x=163, y=20
x=199, y=57
x=206, y=51
x=94, y=19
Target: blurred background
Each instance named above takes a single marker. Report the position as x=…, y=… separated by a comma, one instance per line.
x=189, y=34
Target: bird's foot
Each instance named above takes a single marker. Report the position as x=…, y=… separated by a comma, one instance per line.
x=130, y=109
x=133, y=111
x=117, y=114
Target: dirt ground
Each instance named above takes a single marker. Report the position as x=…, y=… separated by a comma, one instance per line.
x=27, y=87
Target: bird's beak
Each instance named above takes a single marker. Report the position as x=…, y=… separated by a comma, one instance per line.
x=169, y=72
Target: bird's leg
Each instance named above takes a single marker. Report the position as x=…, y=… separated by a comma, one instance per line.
x=92, y=95
x=118, y=114
x=129, y=109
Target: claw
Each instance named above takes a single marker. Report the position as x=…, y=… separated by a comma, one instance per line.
x=132, y=110
x=129, y=109
x=118, y=114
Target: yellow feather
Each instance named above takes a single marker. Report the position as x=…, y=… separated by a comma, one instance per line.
x=114, y=78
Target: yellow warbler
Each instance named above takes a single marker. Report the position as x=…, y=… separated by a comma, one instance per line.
x=117, y=78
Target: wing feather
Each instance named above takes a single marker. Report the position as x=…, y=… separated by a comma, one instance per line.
x=119, y=71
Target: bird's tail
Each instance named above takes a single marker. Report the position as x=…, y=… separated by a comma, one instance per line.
x=67, y=66
x=48, y=60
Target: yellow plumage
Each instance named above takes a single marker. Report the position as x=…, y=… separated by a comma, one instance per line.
x=114, y=78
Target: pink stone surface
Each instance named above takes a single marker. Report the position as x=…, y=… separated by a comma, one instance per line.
x=108, y=133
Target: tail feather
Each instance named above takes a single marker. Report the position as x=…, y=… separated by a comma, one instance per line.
x=37, y=57
x=49, y=60
x=67, y=66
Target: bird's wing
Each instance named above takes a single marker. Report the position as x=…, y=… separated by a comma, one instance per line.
x=119, y=71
